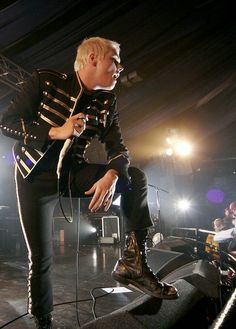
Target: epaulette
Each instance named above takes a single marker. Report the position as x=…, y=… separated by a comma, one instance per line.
x=60, y=75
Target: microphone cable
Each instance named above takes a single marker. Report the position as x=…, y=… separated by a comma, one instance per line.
x=95, y=299
x=67, y=145
x=77, y=264
x=60, y=304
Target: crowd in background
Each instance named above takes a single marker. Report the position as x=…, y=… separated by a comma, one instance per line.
x=222, y=244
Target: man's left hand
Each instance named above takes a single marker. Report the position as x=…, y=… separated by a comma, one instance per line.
x=103, y=191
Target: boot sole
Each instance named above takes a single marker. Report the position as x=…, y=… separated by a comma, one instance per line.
x=131, y=283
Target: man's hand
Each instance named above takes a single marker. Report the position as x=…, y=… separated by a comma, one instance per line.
x=103, y=191
x=75, y=125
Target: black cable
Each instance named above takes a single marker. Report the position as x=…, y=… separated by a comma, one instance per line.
x=70, y=219
x=58, y=304
x=95, y=298
x=9, y=322
x=77, y=264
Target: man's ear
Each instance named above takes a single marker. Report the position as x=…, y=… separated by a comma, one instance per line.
x=92, y=59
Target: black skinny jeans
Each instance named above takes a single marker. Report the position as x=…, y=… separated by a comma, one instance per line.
x=37, y=198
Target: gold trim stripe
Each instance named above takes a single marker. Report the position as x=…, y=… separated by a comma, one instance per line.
x=23, y=125
x=59, y=102
x=40, y=153
x=48, y=121
x=25, y=166
x=30, y=157
x=24, y=130
x=65, y=94
x=48, y=108
x=118, y=156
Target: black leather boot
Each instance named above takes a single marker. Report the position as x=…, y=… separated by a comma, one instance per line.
x=44, y=322
x=132, y=269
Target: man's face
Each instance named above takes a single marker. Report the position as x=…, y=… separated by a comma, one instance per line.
x=234, y=222
x=108, y=71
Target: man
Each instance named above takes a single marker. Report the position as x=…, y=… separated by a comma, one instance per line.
x=230, y=233
x=226, y=235
x=228, y=216
x=212, y=247
x=54, y=119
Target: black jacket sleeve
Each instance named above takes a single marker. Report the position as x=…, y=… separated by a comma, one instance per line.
x=117, y=152
x=21, y=120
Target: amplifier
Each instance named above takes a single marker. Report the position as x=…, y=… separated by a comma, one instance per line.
x=111, y=227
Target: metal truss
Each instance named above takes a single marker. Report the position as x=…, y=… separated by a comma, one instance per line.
x=12, y=74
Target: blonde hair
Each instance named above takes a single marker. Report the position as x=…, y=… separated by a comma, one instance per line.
x=99, y=46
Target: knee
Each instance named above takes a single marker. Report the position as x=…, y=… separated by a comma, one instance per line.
x=137, y=175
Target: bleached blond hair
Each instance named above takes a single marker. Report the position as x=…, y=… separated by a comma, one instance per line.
x=97, y=45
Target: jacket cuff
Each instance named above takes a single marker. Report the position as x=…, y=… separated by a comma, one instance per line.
x=37, y=136
x=121, y=165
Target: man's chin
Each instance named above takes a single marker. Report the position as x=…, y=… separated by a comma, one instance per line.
x=108, y=87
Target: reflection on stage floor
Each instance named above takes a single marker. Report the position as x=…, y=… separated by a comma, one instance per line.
x=95, y=263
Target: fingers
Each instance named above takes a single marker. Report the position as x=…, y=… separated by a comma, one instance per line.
x=108, y=203
x=99, y=200
x=80, y=118
x=79, y=123
x=96, y=202
x=103, y=191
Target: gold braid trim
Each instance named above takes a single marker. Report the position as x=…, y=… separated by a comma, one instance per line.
x=23, y=129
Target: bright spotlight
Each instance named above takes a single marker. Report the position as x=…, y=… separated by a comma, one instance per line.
x=93, y=229
x=169, y=141
x=169, y=151
x=183, y=148
x=183, y=204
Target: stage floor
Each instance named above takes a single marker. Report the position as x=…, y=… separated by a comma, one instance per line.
x=198, y=290
x=94, y=272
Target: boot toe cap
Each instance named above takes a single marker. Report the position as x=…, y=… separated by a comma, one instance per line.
x=167, y=291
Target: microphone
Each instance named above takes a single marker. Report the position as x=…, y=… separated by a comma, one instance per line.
x=67, y=145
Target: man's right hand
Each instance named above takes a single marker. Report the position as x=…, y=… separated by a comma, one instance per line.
x=75, y=124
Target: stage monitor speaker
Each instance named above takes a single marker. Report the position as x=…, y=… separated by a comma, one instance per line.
x=177, y=244
x=201, y=274
x=163, y=262
x=145, y=312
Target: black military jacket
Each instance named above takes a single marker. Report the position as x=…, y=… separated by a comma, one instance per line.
x=47, y=100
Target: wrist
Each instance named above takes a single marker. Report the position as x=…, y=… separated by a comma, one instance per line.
x=56, y=133
x=52, y=134
x=112, y=173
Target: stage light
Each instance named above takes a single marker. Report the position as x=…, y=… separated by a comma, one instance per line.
x=183, y=204
x=93, y=229
x=169, y=140
x=176, y=144
x=183, y=148
x=169, y=151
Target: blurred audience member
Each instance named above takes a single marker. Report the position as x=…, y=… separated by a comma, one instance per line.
x=212, y=246
x=232, y=242
x=228, y=217
x=227, y=243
